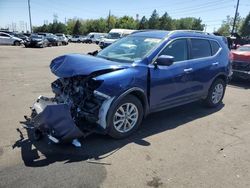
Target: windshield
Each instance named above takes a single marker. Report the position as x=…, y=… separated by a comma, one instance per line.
x=114, y=35
x=244, y=48
x=129, y=49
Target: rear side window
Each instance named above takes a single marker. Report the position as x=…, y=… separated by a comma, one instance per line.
x=4, y=35
x=215, y=47
x=200, y=48
x=178, y=49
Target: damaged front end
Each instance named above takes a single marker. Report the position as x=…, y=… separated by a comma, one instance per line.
x=76, y=110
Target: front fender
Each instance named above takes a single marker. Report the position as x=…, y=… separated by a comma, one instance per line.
x=117, y=82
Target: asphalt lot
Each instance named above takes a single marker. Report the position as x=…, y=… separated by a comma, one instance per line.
x=189, y=146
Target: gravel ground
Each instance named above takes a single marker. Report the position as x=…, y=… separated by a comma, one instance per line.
x=188, y=146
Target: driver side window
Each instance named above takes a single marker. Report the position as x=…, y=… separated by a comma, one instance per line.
x=178, y=49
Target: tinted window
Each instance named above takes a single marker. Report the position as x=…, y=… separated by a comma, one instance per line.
x=178, y=49
x=215, y=47
x=4, y=35
x=200, y=48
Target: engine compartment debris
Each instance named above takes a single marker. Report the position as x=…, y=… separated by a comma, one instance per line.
x=72, y=113
x=78, y=93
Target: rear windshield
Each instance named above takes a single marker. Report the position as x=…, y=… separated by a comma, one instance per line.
x=244, y=48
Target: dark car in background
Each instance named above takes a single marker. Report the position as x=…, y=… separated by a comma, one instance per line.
x=241, y=62
x=21, y=36
x=53, y=39
x=36, y=40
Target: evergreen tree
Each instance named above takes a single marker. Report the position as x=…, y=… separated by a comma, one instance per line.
x=143, y=24
x=245, y=28
x=166, y=22
x=154, y=21
x=77, y=28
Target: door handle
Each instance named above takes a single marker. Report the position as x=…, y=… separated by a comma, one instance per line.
x=216, y=63
x=188, y=70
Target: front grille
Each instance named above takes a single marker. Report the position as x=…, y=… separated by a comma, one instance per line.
x=240, y=65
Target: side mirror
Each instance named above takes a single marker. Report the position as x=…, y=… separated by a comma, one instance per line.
x=165, y=60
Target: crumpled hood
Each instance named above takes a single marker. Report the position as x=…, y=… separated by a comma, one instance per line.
x=77, y=64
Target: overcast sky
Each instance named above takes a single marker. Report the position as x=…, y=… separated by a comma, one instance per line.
x=14, y=13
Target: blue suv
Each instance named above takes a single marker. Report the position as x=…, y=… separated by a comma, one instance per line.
x=145, y=72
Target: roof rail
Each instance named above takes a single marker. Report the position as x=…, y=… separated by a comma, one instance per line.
x=192, y=31
x=144, y=30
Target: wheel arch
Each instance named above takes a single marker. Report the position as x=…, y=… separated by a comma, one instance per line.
x=135, y=91
x=138, y=93
x=222, y=76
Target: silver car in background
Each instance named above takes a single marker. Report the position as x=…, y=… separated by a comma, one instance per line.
x=62, y=38
x=7, y=39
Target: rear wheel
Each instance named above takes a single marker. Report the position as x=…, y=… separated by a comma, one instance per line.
x=125, y=117
x=216, y=93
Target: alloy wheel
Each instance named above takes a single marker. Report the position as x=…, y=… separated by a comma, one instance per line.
x=125, y=117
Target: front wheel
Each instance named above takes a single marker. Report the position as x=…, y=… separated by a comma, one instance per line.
x=216, y=93
x=125, y=117
x=17, y=43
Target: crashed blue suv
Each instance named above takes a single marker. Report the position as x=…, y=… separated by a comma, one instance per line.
x=147, y=71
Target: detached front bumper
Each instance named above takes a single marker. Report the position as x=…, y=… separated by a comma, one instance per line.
x=54, y=120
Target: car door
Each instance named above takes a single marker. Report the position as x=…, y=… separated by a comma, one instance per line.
x=199, y=65
x=169, y=85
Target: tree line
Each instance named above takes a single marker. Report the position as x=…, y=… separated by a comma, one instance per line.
x=242, y=26
x=155, y=21
x=104, y=25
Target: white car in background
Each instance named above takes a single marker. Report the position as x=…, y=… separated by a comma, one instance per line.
x=76, y=38
x=114, y=35
x=95, y=37
x=8, y=39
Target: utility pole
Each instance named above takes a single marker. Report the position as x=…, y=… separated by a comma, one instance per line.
x=235, y=17
x=109, y=20
x=30, y=16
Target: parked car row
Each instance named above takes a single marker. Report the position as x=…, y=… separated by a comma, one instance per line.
x=45, y=40
x=33, y=40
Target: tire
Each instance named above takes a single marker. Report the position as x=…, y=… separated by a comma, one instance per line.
x=117, y=124
x=215, y=93
x=17, y=43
